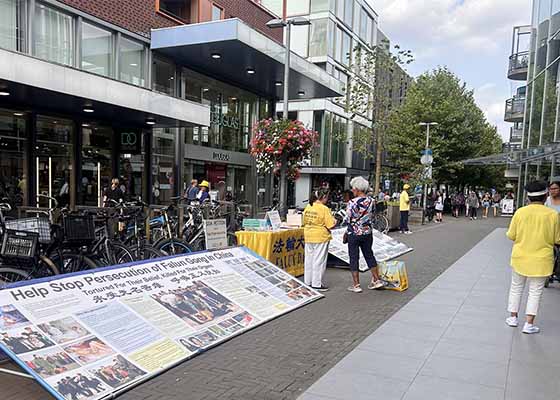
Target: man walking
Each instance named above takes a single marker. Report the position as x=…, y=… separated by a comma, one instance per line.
x=405, y=209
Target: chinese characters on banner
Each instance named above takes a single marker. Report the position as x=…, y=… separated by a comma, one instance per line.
x=284, y=248
x=86, y=336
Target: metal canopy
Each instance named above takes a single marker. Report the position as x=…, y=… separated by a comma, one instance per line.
x=241, y=48
x=532, y=154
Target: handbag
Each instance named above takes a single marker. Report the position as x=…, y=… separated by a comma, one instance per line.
x=345, y=238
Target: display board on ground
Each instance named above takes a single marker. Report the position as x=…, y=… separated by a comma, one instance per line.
x=384, y=247
x=507, y=207
x=92, y=335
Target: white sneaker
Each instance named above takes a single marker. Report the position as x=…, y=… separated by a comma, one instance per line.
x=378, y=284
x=512, y=321
x=355, y=289
x=530, y=328
x=408, y=233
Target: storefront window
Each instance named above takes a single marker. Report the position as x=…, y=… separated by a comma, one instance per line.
x=12, y=24
x=318, y=38
x=164, y=77
x=131, y=169
x=96, y=171
x=163, y=159
x=54, y=159
x=131, y=62
x=97, y=50
x=13, y=158
x=53, y=35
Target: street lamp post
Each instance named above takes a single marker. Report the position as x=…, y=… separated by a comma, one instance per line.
x=274, y=24
x=426, y=160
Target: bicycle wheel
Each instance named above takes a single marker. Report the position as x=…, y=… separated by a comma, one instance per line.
x=147, y=252
x=10, y=275
x=117, y=254
x=380, y=223
x=173, y=246
x=69, y=262
x=45, y=268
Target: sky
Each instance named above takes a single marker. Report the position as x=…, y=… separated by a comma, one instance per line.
x=471, y=37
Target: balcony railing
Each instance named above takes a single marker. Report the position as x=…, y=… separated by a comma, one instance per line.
x=515, y=109
x=516, y=135
x=518, y=66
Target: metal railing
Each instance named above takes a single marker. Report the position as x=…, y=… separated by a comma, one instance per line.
x=515, y=109
x=518, y=66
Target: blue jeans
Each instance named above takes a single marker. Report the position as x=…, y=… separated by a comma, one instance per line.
x=363, y=242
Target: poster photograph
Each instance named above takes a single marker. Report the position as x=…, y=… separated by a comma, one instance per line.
x=118, y=326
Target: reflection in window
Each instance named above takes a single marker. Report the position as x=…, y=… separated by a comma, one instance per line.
x=97, y=50
x=346, y=49
x=96, y=172
x=53, y=34
x=216, y=13
x=12, y=24
x=13, y=158
x=348, y=12
x=318, y=38
x=163, y=159
x=164, y=77
x=131, y=62
x=300, y=39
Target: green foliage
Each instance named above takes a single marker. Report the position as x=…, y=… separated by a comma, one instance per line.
x=463, y=131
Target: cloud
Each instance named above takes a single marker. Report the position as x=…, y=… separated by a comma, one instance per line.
x=471, y=37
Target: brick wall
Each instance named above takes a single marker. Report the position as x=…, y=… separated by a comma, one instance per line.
x=140, y=16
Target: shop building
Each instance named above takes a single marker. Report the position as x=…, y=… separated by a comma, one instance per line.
x=152, y=92
x=337, y=28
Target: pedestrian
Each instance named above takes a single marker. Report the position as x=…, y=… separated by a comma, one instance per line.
x=203, y=194
x=473, y=204
x=486, y=201
x=439, y=208
x=534, y=230
x=404, y=208
x=496, y=202
x=553, y=200
x=359, y=234
x=192, y=191
x=113, y=194
x=317, y=224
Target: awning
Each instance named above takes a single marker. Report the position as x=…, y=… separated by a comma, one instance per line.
x=48, y=87
x=242, y=48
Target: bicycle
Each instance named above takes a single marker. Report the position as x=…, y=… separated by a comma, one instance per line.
x=165, y=231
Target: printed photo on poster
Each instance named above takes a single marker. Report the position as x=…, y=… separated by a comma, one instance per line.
x=78, y=386
x=64, y=330
x=199, y=341
x=116, y=371
x=89, y=350
x=10, y=318
x=24, y=340
x=50, y=362
x=196, y=304
x=245, y=319
x=301, y=293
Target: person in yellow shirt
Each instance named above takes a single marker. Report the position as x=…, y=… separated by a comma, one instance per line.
x=405, y=209
x=534, y=229
x=317, y=224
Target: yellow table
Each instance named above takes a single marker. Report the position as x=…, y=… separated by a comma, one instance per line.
x=284, y=248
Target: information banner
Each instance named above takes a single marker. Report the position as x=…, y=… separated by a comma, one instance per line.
x=89, y=335
x=507, y=207
x=385, y=248
x=215, y=233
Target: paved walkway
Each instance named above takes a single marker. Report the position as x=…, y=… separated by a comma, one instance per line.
x=451, y=342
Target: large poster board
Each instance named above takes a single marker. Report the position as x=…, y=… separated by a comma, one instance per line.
x=507, y=207
x=384, y=247
x=90, y=335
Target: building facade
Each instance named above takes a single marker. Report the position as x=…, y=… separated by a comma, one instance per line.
x=337, y=28
x=149, y=91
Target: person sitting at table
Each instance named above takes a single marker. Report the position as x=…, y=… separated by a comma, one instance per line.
x=317, y=224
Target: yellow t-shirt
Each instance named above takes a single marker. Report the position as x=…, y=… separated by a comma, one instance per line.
x=405, y=201
x=534, y=229
x=317, y=220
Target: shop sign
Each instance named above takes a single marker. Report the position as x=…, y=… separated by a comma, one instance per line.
x=130, y=142
x=220, y=156
x=227, y=121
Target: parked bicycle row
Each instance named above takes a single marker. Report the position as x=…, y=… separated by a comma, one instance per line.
x=53, y=240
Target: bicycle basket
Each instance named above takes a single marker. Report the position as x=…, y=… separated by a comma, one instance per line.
x=19, y=244
x=37, y=225
x=79, y=229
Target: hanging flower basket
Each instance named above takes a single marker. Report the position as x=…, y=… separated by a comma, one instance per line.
x=277, y=140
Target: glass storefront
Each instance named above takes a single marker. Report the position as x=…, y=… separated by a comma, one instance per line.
x=13, y=157
x=96, y=172
x=231, y=181
x=163, y=159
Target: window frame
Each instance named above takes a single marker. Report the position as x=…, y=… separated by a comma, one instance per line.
x=169, y=15
x=222, y=11
x=114, y=46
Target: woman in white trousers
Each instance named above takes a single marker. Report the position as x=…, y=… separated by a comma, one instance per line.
x=317, y=224
x=534, y=229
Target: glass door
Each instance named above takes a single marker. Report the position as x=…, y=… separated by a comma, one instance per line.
x=96, y=173
x=53, y=160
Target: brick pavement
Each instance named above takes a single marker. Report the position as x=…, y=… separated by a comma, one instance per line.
x=282, y=358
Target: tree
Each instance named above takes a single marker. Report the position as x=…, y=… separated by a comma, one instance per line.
x=462, y=131
x=372, y=92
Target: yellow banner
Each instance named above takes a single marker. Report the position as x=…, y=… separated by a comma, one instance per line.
x=284, y=248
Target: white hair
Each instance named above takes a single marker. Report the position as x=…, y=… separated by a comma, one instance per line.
x=359, y=183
